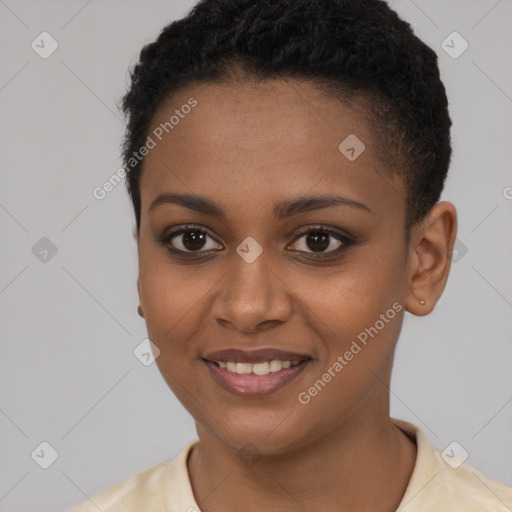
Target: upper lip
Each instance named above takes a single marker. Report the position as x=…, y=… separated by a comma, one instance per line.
x=254, y=356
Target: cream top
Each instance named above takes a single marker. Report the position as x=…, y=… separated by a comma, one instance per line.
x=436, y=485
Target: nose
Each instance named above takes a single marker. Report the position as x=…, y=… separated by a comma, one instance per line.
x=253, y=297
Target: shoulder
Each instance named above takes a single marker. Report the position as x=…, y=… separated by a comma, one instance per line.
x=459, y=483
x=443, y=481
x=154, y=488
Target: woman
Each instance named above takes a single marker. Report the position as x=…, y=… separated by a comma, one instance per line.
x=285, y=161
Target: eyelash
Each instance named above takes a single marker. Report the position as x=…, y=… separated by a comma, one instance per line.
x=166, y=238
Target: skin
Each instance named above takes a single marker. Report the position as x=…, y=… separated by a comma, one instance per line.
x=248, y=146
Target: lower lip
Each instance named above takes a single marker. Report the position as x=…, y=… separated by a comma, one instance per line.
x=255, y=385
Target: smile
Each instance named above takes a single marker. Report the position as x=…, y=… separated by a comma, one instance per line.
x=255, y=372
x=256, y=368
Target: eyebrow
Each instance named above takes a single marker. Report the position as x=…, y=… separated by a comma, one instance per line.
x=282, y=209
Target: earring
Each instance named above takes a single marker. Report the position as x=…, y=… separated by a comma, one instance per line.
x=139, y=311
x=422, y=302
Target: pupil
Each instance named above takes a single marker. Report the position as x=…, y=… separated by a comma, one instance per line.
x=320, y=239
x=193, y=240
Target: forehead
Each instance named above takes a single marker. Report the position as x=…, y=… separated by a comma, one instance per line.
x=277, y=116
x=271, y=136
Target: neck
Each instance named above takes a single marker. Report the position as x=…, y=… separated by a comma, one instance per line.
x=366, y=465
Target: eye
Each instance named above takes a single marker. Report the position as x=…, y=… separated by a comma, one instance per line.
x=320, y=240
x=189, y=239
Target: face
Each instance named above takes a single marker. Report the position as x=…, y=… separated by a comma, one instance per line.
x=254, y=262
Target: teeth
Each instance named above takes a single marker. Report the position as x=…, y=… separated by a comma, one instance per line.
x=263, y=368
x=275, y=366
x=243, y=368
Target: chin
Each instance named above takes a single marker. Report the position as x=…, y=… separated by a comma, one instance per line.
x=258, y=435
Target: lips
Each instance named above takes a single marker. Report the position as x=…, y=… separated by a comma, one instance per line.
x=255, y=373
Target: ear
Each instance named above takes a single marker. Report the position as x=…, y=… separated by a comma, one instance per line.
x=139, y=307
x=430, y=256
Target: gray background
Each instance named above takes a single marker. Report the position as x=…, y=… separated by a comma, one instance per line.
x=69, y=325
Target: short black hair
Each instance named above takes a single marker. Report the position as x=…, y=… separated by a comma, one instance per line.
x=346, y=47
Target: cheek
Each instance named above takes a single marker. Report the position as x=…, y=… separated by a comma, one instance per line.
x=170, y=294
x=357, y=313
x=170, y=307
x=354, y=296
x=358, y=317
